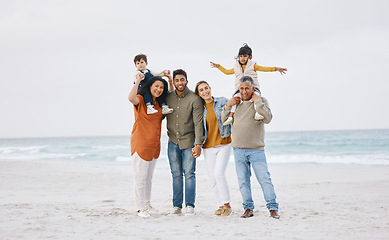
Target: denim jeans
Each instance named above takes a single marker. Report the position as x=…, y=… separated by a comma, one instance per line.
x=182, y=164
x=244, y=158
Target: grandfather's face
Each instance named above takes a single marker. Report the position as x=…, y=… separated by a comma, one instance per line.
x=246, y=91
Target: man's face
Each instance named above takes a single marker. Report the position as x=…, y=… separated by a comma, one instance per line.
x=246, y=91
x=180, y=82
x=141, y=65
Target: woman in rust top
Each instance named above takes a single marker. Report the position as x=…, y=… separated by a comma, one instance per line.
x=145, y=139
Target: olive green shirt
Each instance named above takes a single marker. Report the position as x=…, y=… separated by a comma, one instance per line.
x=185, y=124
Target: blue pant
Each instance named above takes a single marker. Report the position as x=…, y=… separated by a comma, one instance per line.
x=244, y=158
x=182, y=164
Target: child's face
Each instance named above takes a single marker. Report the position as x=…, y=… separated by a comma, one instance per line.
x=141, y=65
x=244, y=58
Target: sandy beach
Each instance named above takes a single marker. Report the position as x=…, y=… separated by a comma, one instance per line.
x=89, y=200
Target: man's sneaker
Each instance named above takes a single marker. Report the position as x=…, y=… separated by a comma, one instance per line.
x=166, y=109
x=258, y=116
x=143, y=213
x=151, y=109
x=176, y=211
x=189, y=211
x=228, y=121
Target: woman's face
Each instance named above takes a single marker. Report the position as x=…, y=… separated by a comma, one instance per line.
x=205, y=91
x=156, y=89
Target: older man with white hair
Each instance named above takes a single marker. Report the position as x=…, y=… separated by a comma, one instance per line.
x=248, y=144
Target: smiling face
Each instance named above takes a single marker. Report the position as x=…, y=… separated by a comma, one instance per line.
x=246, y=91
x=244, y=58
x=180, y=83
x=156, y=89
x=204, y=91
x=141, y=65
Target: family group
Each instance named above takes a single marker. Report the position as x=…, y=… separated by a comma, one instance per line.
x=199, y=122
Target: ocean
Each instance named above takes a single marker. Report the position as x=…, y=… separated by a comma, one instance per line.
x=361, y=147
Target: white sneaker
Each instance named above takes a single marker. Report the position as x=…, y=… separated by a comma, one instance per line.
x=228, y=121
x=189, y=211
x=151, y=109
x=258, y=116
x=143, y=213
x=176, y=211
x=166, y=109
x=150, y=209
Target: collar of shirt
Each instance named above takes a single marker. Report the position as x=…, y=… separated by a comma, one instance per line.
x=184, y=94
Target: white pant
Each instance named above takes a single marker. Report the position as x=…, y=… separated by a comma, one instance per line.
x=216, y=160
x=233, y=108
x=143, y=174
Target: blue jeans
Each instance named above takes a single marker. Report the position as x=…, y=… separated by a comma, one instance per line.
x=182, y=164
x=244, y=158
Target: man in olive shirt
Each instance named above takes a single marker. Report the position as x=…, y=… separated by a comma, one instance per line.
x=186, y=135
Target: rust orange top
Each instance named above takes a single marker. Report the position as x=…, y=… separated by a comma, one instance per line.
x=146, y=132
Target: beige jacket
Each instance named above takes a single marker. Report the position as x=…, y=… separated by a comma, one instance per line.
x=248, y=71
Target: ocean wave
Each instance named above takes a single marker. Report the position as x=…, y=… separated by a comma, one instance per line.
x=112, y=147
x=28, y=149
x=378, y=159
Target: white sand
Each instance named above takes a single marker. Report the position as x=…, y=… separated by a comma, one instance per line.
x=73, y=200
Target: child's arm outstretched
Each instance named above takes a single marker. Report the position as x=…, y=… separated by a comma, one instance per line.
x=269, y=69
x=222, y=69
x=281, y=70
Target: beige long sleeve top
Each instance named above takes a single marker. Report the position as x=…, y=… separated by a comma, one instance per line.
x=247, y=132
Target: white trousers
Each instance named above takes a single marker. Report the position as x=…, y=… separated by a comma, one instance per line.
x=216, y=160
x=233, y=108
x=143, y=175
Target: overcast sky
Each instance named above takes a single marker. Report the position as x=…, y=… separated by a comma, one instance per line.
x=66, y=67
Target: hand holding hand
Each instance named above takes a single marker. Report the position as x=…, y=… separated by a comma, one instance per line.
x=196, y=151
x=255, y=97
x=166, y=73
x=233, y=101
x=139, y=77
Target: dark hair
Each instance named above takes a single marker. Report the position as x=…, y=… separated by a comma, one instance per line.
x=245, y=49
x=139, y=57
x=179, y=72
x=146, y=89
x=247, y=79
x=197, y=87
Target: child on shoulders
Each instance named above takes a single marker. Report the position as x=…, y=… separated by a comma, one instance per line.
x=140, y=61
x=244, y=66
